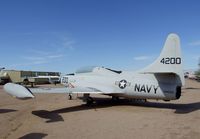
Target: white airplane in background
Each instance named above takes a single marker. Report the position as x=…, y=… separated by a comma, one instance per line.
x=162, y=79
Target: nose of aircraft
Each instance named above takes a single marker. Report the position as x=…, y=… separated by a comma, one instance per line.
x=64, y=80
x=67, y=80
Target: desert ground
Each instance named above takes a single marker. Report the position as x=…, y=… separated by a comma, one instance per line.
x=54, y=116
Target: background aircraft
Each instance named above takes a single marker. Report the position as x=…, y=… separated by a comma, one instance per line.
x=162, y=79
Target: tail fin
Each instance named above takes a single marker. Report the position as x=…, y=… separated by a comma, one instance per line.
x=170, y=60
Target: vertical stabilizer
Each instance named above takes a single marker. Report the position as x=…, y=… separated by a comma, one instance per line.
x=170, y=59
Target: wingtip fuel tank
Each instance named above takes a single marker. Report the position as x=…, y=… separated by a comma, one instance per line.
x=17, y=90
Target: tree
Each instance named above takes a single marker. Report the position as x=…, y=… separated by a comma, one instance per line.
x=198, y=71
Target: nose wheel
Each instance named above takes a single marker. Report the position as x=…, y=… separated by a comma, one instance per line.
x=70, y=96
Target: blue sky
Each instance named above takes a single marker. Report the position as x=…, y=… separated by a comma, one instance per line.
x=63, y=35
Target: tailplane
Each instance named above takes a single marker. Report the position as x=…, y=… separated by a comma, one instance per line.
x=169, y=61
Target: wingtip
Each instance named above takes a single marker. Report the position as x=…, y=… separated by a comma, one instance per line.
x=17, y=91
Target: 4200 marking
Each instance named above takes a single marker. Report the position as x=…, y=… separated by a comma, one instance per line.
x=171, y=60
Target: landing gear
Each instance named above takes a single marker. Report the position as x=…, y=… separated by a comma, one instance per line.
x=70, y=96
x=89, y=100
x=115, y=98
x=139, y=100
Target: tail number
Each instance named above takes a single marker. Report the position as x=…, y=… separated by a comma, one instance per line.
x=171, y=60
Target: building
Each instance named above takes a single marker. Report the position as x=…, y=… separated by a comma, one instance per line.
x=26, y=77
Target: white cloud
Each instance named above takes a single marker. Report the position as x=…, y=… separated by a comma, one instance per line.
x=55, y=56
x=48, y=49
x=38, y=59
x=34, y=58
x=195, y=43
x=195, y=57
x=140, y=58
x=39, y=52
x=40, y=62
x=28, y=64
x=67, y=43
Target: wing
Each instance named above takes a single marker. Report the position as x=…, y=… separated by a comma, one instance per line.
x=20, y=91
x=65, y=90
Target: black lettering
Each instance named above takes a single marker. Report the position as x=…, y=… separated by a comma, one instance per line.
x=143, y=89
x=171, y=60
x=155, y=89
x=137, y=88
x=167, y=60
x=148, y=88
x=162, y=61
x=178, y=60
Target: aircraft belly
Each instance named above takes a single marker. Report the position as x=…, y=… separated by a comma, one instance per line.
x=151, y=92
x=149, y=96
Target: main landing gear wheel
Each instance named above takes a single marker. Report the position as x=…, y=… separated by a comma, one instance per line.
x=89, y=101
x=114, y=98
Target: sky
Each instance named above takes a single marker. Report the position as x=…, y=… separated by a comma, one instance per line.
x=64, y=35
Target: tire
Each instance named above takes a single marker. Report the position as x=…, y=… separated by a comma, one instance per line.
x=26, y=82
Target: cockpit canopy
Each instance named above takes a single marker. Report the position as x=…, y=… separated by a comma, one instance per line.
x=93, y=68
x=85, y=69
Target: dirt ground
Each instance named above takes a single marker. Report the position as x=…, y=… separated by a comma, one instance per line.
x=54, y=116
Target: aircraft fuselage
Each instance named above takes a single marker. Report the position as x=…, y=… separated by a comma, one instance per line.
x=126, y=84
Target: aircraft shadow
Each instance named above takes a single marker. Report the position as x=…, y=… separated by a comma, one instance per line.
x=179, y=108
x=191, y=88
x=54, y=116
x=34, y=136
x=50, y=115
x=6, y=110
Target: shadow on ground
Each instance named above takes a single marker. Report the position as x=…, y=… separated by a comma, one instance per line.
x=34, y=136
x=6, y=110
x=191, y=88
x=54, y=116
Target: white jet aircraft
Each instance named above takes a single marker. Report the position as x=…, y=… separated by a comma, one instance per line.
x=162, y=79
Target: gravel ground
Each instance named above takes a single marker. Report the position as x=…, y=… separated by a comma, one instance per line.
x=54, y=116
